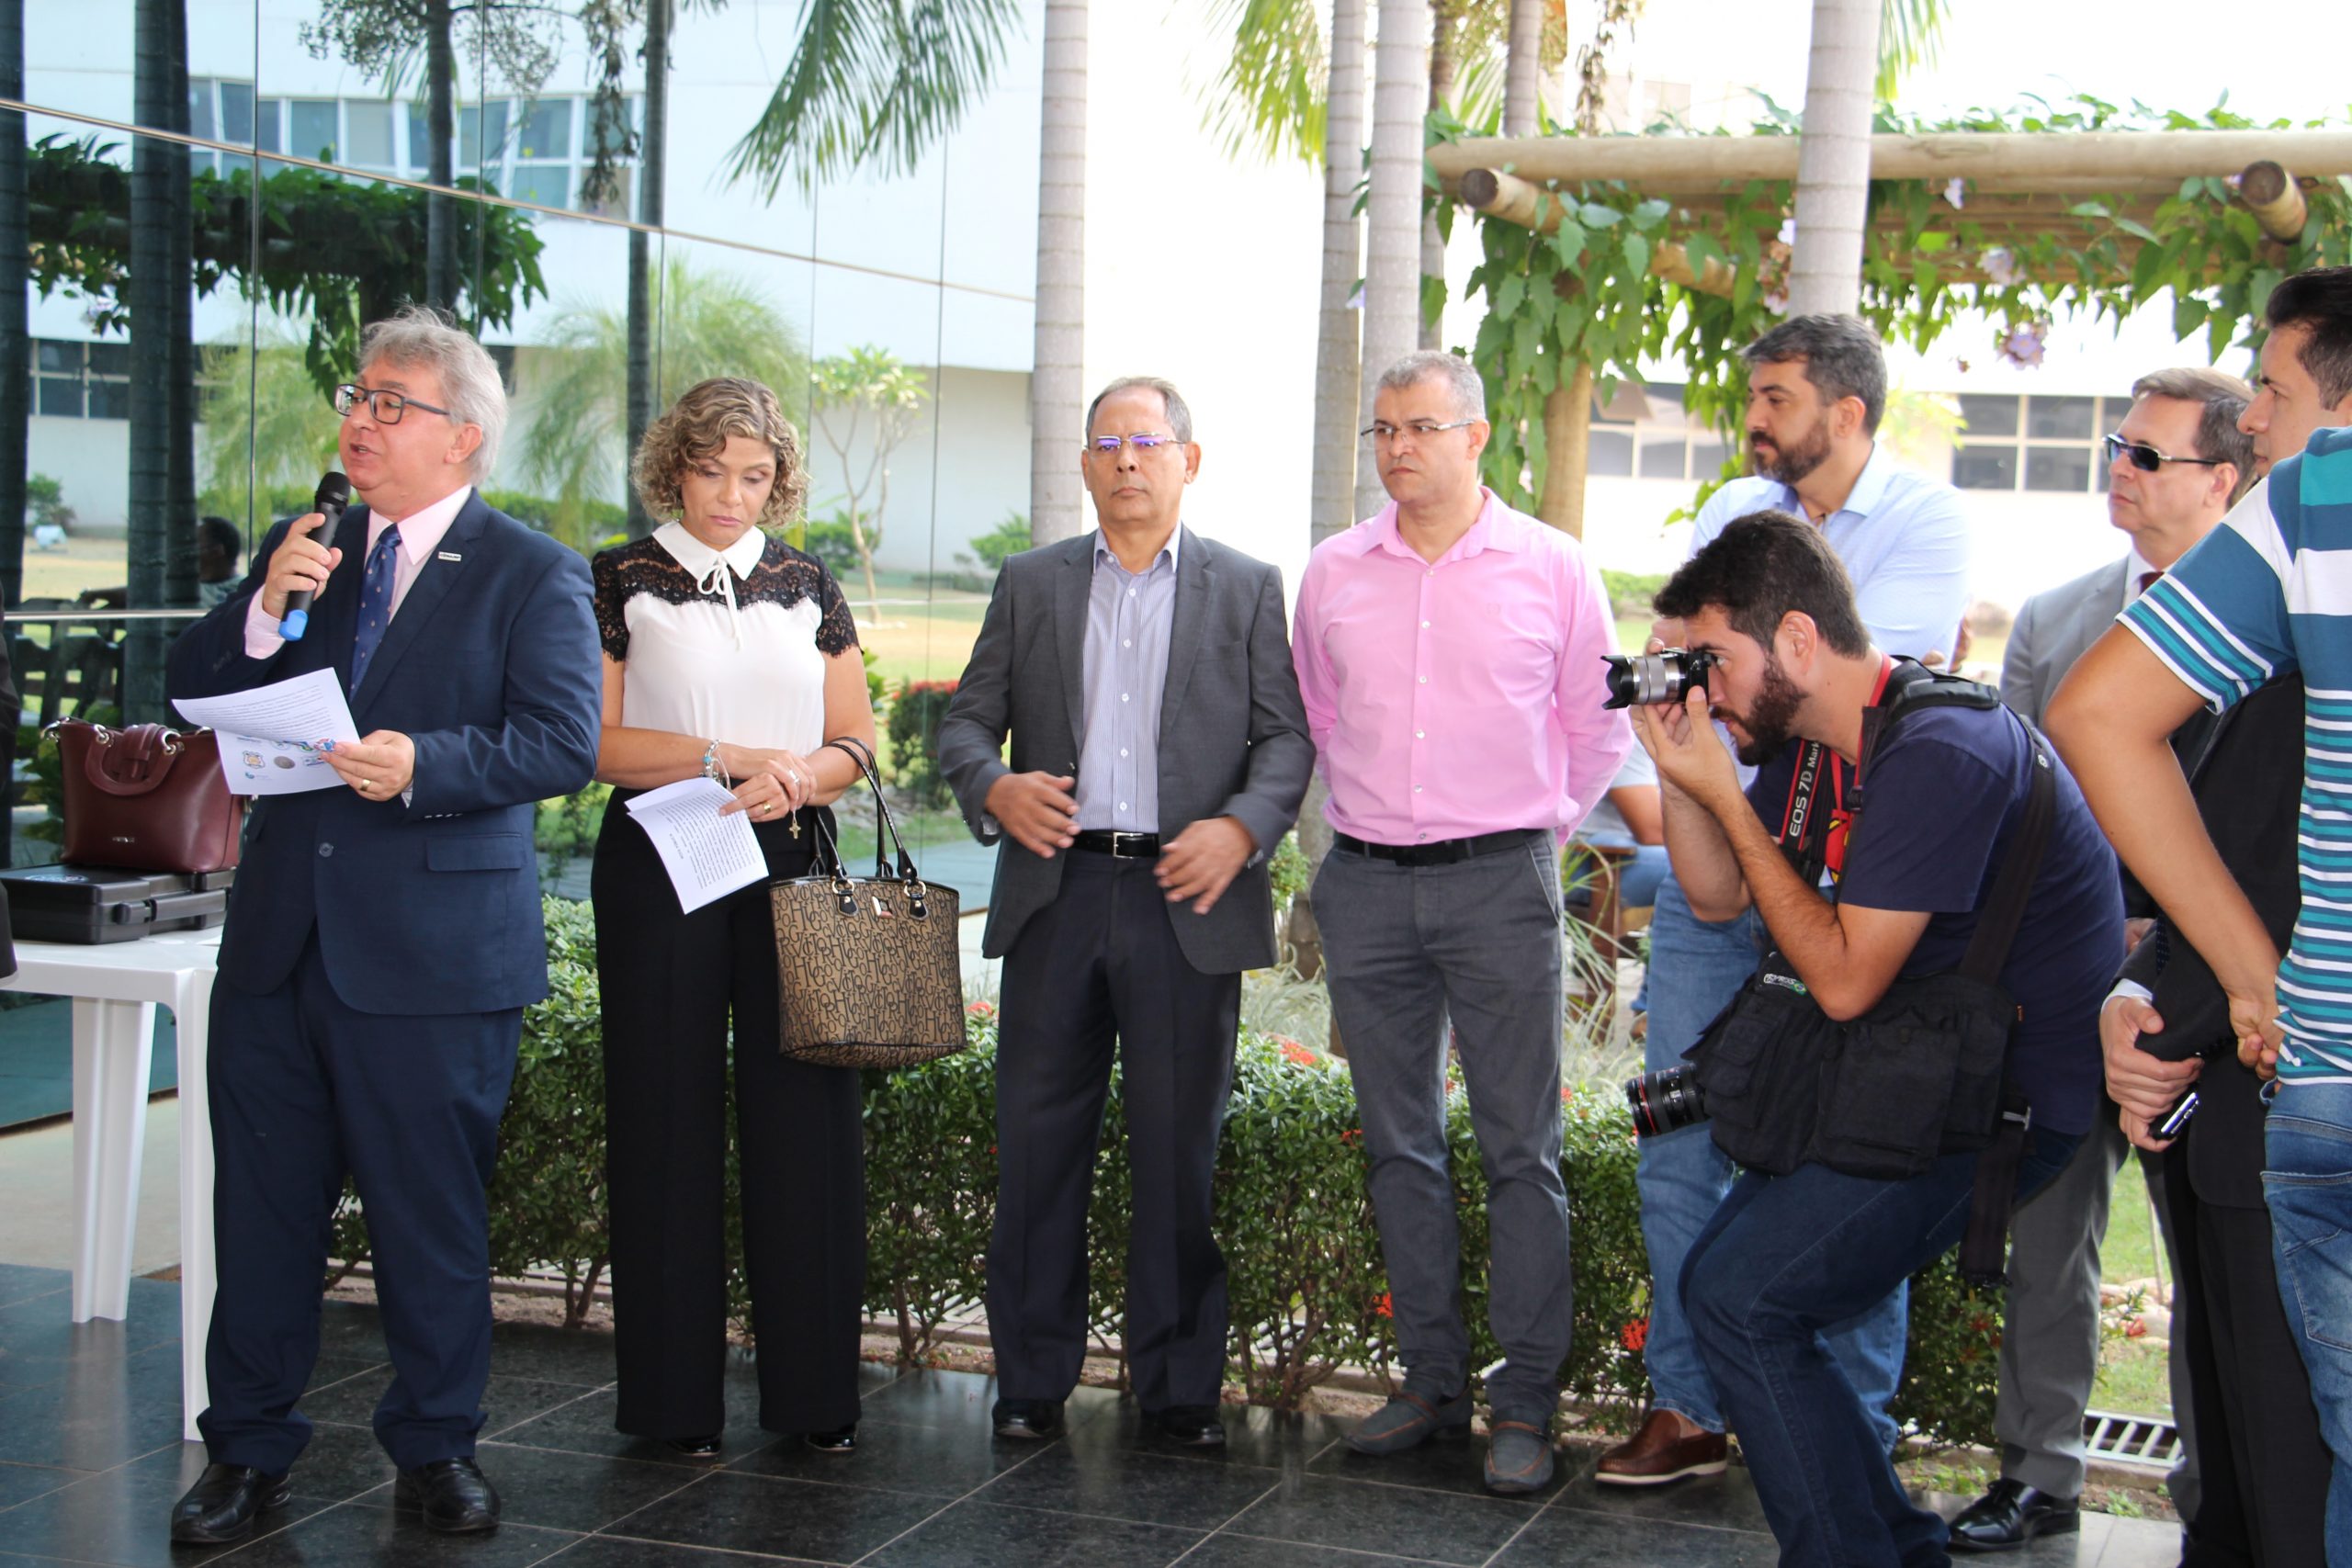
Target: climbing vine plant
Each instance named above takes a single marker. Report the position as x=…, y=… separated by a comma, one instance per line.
x=1584, y=293
x=337, y=251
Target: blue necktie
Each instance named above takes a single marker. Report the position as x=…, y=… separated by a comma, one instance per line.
x=375, y=601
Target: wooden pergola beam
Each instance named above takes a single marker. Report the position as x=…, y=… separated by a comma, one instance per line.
x=1514, y=201
x=2271, y=194
x=2090, y=161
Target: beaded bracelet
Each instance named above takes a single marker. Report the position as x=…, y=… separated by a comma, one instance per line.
x=710, y=768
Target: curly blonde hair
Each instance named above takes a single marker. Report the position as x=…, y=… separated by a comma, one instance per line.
x=699, y=425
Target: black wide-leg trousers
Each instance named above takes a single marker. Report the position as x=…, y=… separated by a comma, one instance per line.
x=670, y=981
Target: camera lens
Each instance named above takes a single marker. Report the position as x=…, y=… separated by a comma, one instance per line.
x=1666, y=1100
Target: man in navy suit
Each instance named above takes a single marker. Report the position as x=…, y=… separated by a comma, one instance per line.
x=384, y=935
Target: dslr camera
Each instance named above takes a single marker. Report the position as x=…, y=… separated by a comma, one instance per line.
x=1669, y=675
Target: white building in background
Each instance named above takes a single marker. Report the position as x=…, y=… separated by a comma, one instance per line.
x=1199, y=267
x=934, y=269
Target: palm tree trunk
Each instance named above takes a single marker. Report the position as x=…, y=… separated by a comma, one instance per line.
x=16, y=340
x=1339, y=350
x=179, y=519
x=1428, y=330
x=1057, y=383
x=652, y=152
x=1393, y=262
x=149, y=288
x=1523, y=70
x=441, y=275
x=1834, y=159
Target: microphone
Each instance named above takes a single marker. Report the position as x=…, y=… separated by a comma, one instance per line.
x=334, y=495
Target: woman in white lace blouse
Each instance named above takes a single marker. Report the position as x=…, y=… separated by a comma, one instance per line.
x=731, y=654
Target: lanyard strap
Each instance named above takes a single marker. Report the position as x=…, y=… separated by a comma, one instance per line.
x=1803, y=838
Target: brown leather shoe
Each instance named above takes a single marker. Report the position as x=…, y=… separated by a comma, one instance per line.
x=1668, y=1448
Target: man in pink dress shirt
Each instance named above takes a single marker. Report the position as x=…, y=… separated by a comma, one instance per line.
x=1449, y=650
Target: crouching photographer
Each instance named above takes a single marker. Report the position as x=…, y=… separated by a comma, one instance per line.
x=1918, y=1050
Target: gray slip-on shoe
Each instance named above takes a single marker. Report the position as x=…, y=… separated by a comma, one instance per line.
x=1410, y=1420
x=1518, y=1458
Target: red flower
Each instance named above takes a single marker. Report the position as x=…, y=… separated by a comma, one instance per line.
x=1352, y=1136
x=1298, y=1056
x=1636, y=1335
x=1381, y=1307
x=2135, y=1329
x=982, y=1009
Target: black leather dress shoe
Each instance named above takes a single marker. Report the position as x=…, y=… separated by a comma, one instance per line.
x=224, y=1502
x=457, y=1497
x=693, y=1448
x=2011, y=1514
x=1032, y=1420
x=1193, y=1425
x=841, y=1442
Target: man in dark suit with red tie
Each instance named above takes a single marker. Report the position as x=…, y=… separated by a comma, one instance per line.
x=384, y=934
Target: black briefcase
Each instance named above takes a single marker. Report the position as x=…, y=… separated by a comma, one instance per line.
x=100, y=904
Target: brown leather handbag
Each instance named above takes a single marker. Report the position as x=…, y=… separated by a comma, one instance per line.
x=146, y=798
x=867, y=972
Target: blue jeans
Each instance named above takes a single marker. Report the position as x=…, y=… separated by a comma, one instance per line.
x=2308, y=1183
x=1785, y=1259
x=1699, y=967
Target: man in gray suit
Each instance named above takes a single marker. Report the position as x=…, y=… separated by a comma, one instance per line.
x=2174, y=465
x=1159, y=753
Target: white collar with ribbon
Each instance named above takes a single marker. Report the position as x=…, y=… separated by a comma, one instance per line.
x=710, y=568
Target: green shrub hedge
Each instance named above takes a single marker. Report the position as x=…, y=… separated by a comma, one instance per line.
x=912, y=728
x=1307, y=1289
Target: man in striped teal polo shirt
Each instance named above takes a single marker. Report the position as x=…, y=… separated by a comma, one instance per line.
x=2266, y=592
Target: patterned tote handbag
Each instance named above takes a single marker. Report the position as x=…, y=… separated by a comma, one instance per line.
x=867, y=968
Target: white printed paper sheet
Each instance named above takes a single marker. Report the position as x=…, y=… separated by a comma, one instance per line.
x=707, y=855
x=275, y=738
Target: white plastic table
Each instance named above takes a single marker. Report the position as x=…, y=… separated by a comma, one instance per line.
x=116, y=989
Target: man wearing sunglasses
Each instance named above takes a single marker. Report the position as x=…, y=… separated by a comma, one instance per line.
x=1159, y=756
x=384, y=933
x=2174, y=464
x=1450, y=653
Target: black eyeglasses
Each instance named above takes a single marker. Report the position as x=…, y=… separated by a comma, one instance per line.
x=1108, y=446
x=387, y=407
x=2147, y=459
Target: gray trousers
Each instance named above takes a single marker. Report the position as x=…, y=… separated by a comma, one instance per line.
x=1477, y=942
x=2049, y=1330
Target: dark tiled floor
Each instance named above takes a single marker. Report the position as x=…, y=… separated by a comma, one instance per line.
x=90, y=1462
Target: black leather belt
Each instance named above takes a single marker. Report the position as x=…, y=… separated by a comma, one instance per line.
x=1126, y=846
x=1445, y=852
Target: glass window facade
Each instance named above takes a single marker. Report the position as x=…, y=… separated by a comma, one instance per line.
x=296, y=178
x=2039, y=442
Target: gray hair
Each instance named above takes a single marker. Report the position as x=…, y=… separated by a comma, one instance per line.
x=1842, y=360
x=421, y=337
x=2219, y=398
x=1461, y=378
x=1179, y=418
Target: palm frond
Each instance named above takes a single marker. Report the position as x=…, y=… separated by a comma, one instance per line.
x=572, y=406
x=872, y=84
x=1910, y=34
x=1268, y=98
